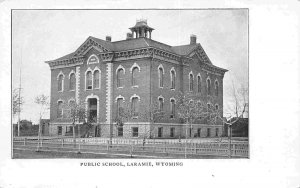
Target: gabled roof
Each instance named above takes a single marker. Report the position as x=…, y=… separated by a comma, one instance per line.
x=104, y=43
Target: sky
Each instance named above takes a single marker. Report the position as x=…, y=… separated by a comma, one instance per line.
x=42, y=35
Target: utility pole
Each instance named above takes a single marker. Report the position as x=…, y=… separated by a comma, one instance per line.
x=19, y=97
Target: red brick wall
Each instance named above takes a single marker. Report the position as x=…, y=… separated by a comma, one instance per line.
x=148, y=87
x=127, y=91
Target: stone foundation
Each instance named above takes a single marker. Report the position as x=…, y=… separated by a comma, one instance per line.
x=145, y=130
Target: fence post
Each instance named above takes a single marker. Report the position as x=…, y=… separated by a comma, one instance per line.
x=62, y=142
x=195, y=148
x=78, y=147
x=24, y=141
x=234, y=151
x=131, y=149
x=166, y=147
x=107, y=145
x=41, y=142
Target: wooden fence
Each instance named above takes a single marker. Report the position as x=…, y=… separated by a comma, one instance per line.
x=138, y=146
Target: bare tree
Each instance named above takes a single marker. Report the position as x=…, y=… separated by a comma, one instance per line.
x=43, y=101
x=237, y=107
x=77, y=113
x=153, y=114
x=17, y=102
x=190, y=108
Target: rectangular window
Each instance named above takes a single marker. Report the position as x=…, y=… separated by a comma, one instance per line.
x=135, y=131
x=120, y=131
x=160, y=131
x=69, y=129
x=172, y=132
x=59, y=130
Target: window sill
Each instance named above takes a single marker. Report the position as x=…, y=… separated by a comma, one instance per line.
x=120, y=87
x=161, y=87
x=88, y=89
x=97, y=88
x=60, y=91
x=72, y=90
x=135, y=117
x=136, y=86
x=172, y=89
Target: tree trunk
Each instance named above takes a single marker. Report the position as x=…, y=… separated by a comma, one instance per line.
x=74, y=136
x=229, y=140
x=39, y=134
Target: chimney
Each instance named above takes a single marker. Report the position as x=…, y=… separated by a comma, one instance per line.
x=108, y=38
x=193, y=39
x=128, y=36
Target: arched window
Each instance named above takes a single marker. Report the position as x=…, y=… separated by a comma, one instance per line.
x=172, y=101
x=160, y=104
x=161, y=76
x=96, y=79
x=172, y=79
x=120, y=74
x=60, y=82
x=134, y=106
x=216, y=88
x=134, y=81
x=59, y=109
x=208, y=86
x=199, y=84
x=72, y=81
x=89, y=82
x=119, y=106
x=191, y=82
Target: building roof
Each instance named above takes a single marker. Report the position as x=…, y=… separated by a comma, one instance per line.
x=68, y=56
x=123, y=45
x=137, y=43
x=105, y=43
x=184, y=49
